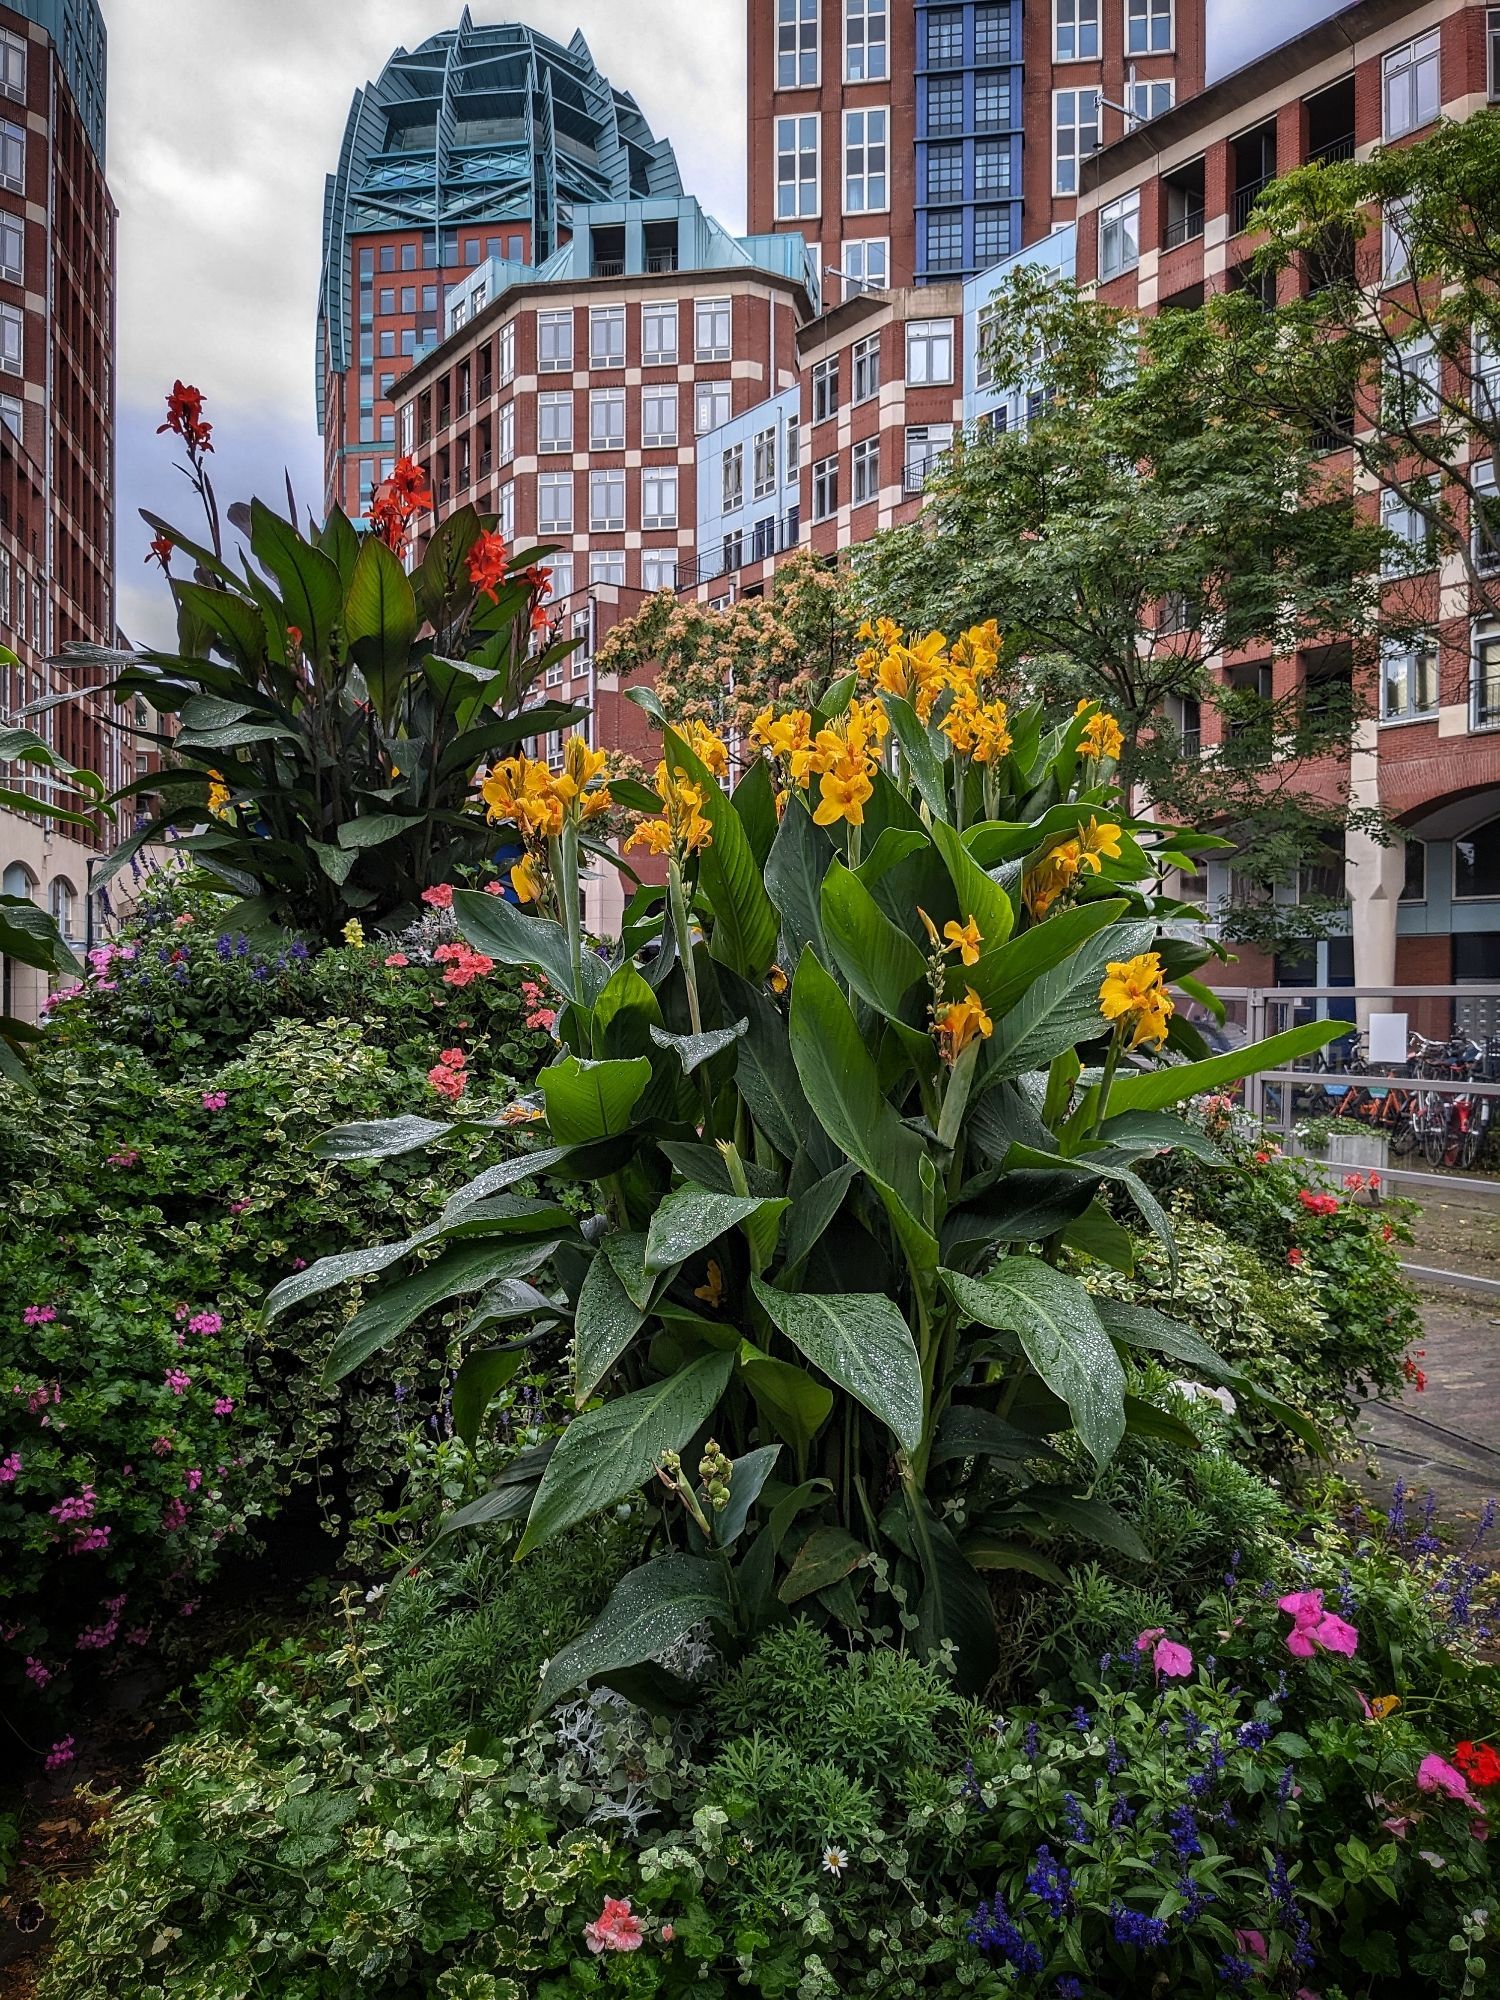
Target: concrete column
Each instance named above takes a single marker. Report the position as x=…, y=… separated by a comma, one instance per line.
x=1373, y=876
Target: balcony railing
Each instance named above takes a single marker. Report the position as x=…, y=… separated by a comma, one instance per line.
x=1246, y=197
x=1184, y=229
x=609, y=267
x=1333, y=149
x=757, y=542
x=658, y=261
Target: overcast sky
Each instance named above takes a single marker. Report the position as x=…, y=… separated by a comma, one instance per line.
x=217, y=165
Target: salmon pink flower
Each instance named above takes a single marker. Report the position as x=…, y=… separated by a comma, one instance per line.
x=439, y=896
x=615, y=1928
x=398, y=958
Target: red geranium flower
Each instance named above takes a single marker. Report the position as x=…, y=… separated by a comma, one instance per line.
x=1479, y=1762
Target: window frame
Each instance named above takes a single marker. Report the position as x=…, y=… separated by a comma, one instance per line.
x=702, y=389
x=732, y=478
x=13, y=226
x=1409, y=655
x=763, y=457
x=553, y=401
x=1077, y=127
x=506, y=349
x=1075, y=26
x=610, y=480
x=803, y=18
x=664, y=393
x=861, y=281
x=553, y=483
x=825, y=488
x=12, y=46
x=825, y=389
x=929, y=335
x=944, y=16
x=656, y=316
x=606, y=317
x=796, y=154
x=864, y=368
x=1407, y=60
x=1492, y=54
x=1148, y=12
x=12, y=320
x=552, y=320
x=1483, y=632
x=931, y=451
x=864, y=147
x=607, y=400
x=864, y=471
x=1392, y=235
x=659, y=517
x=1482, y=483
x=1393, y=502
x=1115, y=215
x=714, y=349
x=663, y=557
x=1134, y=92
x=868, y=10
x=505, y=434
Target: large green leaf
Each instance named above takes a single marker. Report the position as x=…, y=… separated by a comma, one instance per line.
x=1151, y=1090
x=509, y=1499
x=483, y=1372
x=860, y=1341
x=606, y=1321
x=312, y=592
x=798, y=861
x=591, y=1100
x=744, y=922
x=380, y=1138
x=504, y=933
x=381, y=620
x=764, y=1070
x=1061, y=1006
x=695, y=1049
x=1005, y=972
x=650, y=1610
x=468, y=1269
x=828, y=1554
x=926, y=767
x=978, y=896
x=609, y=1452
x=880, y=962
x=690, y=1218
x=839, y=1077
x=31, y=936
x=793, y=1402
x=375, y=829
x=1058, y=1326
x=747, y=1476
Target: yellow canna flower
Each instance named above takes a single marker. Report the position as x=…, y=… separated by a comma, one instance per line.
x=1102, y=739
x=1095, y=841
x=777, y=980
x=682, y=826
x=1383, y=1706
x=781, y=735
x=959, y=1022
x=708, y=747
x=1134, y=993
x=1052, y=877
x=526, y=880
x=354, y=933
x=965, y=939
x=845, y=790
x=714, y=1290
x=218, y=794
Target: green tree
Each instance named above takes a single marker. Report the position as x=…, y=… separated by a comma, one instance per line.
x=1149, y=518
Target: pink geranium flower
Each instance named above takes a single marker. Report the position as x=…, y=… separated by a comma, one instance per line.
x=1314, y=1628
x=38, y=1315
x=178, y=1382
x=615, y=1928
x=1436, y=1774
x=398, y=958
x=208, y=1322
x=61, y=1753
x=1253, y=1942
x=1171, y=1660
x=214, y=1100
x=439, y=896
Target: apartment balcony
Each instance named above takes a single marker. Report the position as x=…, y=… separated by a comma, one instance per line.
x=1245, y=198
x=658, y=261
x=607, y=267
x=1331, y=150
x=757, y=542
x=1185, y=228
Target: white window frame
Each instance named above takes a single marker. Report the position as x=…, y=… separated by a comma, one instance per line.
x=659, y=496
x=798, y=45
x=1492, y=54
x=1399, y=517
x=506, y=511
x=867, y=179
x=855, y=261
x=550, y=487
x=1410, y=661
x=552, y=438
x=865, y=368
x=797, y=196
x=1075, y=30
x=929, y=352
x=1484, y=549
x=923, y=445
x=608, y=404
x=607, y=566
x=825, y=488
x=1120, y=235
x=1405, y=72
x=13, y=248
x=507, y=351
x=608, y=482
x=12, y=66
x=12, y=156
x=792, y=456
x=1484, y=631
x=664, y=397
x=984, y=319
x=713, y=329
x=867, y=53
x=763, y=464
x=1485, y=400
x=1415, y=385
x=1144, y=16
x=1065, y=165
x=825, y=389
x=1395, y=246
x=605, y=319
x=732, y=479
x=659, y=559
x=12, y=340
x=717, y=391
x=1139, y=98
x=561, y=585
x=505, y=434
x=13, y=417
x=554, y=323
x=864, y=471
x=654, y=320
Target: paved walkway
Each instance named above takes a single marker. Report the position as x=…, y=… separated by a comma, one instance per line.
x=1447, y=1437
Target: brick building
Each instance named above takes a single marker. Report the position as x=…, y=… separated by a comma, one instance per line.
x=1162, y=221
x=57, y=432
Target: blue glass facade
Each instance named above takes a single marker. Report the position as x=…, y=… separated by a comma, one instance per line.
x=968, y=136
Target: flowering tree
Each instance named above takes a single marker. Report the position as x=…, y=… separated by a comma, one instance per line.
x=334, y=712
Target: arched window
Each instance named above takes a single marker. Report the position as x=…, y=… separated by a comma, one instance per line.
x=1476, y=861
x=62, y=901
x=18, y=880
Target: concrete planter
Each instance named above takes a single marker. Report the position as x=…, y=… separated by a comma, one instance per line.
x=1364, y=1152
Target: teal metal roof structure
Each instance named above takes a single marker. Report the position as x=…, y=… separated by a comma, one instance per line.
x=480, y=124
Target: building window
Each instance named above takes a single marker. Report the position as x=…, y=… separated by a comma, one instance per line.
x=866, y=367
x=12, y=66
x=1412, y=84
x=607, y=337
x=825, y=488
x=711, y=334
x=1148, y=27
x=1486, y=397
x=12, y=248
x=793, y=445
x=554, y=342
x=796, y=44
x=1492, y=52
x=606, y=500
x=984, y=333
x=945, y=37
x=659, y=336
x=1402, y=516
x=606, y=420
x=1484, y=519
x=991, y=167
x=1075, y=30
x=554, y=503
x=991, y=235
x=925, y=445
x=1476, y=862
x=1395, y=246
x=945, y=240
x=945, y=173
x=1485, y=704
x=505, y=434
x=825, y=389
x=1120, y=235
x=506, y=511
x=864, y=161
x=659, y=416
x=945, y=106
x=710, y=406
x=929, y=350
x=865, y=263
x=865, y=468
x=508, y=352
x=733, y=464
x=1149, y=100
x=659, y=497
x=1413, y=386
x=658, y=569
x=12, y=156
x=796, y=167
x=1408, y=678
x=865, y=41
x=992, y=34
x=12, y=345
x=607, y=566
x=991, y=101
x=561, y=569
x=1414, y=887
x=1075, y=134
x=60, y=900
x=554, y=420
x=763, y=463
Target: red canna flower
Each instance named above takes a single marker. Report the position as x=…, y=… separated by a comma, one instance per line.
x=487, y=564
x=410, y=482
x=161, y=551
x=294, y=636
x=185, y=417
